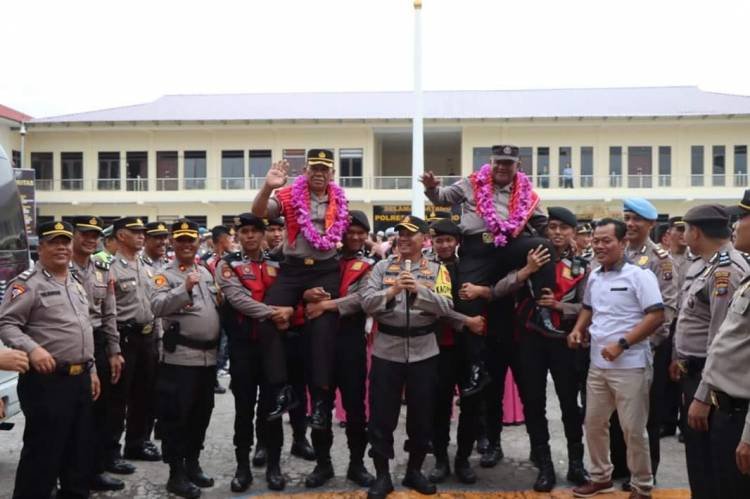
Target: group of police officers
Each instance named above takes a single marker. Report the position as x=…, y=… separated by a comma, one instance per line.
x=129, y=344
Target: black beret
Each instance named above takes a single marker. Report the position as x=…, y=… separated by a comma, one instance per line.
x=185, y=227
x=707, y=213
x=445, y=227
x=156, y=229
x=564, y=215
x=505, y=152
x=320, y=157
x=359, y=218
x=48, y=230
x=743, y=207
x=245, y=219
x=132, y=223
x=275, y=221
x=413, y=224
x=87, y=223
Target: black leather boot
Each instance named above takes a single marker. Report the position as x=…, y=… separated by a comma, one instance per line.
x=104, y=482
x=196, y=475
x=414, y=479
x=260, y=457
x=285, y=400
x=478, y=379
x=274, y=478
x=542, y=323
x=358, y=474
x=463, y=471
x=302, y=449
x=243, y=477
x=442, y=468
x=382, y=486
x=179, y=484
x=321, y=474
x=493, y=456
x=320, y=419
x=545, y=480
x=577, y=473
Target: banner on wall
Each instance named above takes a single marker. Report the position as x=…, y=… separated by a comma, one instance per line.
x=25, y=181
x=388, y=215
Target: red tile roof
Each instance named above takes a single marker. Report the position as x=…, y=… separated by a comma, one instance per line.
x=12, y=114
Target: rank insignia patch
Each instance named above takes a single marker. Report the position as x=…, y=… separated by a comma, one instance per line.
x=721, y=283
x=160, y=281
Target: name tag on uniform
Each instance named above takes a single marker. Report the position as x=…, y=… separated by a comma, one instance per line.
x=49, y=293
x=618, y=289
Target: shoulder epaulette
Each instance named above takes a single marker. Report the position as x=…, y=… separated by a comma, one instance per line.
x=26, y=274
x=660, y=252
x=77, y=277
x=724, y=259
x=694, y=258
x=100, y=264
x=232, y=257
x=272, y=263
x=369, y=261
x=146, y=259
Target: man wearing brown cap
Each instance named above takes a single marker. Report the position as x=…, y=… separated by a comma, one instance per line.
x=45, y=314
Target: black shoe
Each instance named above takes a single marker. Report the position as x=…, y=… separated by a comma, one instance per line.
x=478, y=379
x=243, y=477
x=381, y=487
x=320, y=475
x=667, y=431
x=274, y=478
x=358, y=474
x=179, y=484
x=320, y=419
x=414, y=479
x=286, y=400
x=681, y=438
x=119, y=467
x=577, y=473
x=441, y=471
x=463, y=471
x=483, y=444
x=196, y=475
x=541, y=322
x=545, y=480
x=142, y=453
x=105, y=482
x=493, y=456
x=148, y=444
x=260, y=457
x=626, y=485
x=302, y=449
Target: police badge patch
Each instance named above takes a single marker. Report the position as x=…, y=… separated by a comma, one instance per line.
x=721, y=283
x=17, y=291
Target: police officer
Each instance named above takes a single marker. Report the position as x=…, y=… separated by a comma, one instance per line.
x=93, y=273
x=186, y=298
x=723, y=383
x=109, y=246
x=309, y=261
x=583, y=241
x=406, y=295
x=135, y=323
x=487, y=253
x=244, y=278
x=45, y=314
x=446, y=236
x=640, y=216
x=155, y=246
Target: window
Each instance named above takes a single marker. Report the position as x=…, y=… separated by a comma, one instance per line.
x=232, y=169
x=41, y=162
x=166, y=171
x=665, y=166
x=587, y=166
x=16, y=155
x=639, y=167
x=615, y=166
x=136, y=170
x=109, y=171
x=72, y=171
x=565, y=168
x=740, y=166
x=260, y=163
x=228, y=220
x=481, y=157
x=719, y=166
x=195, y=170
x=526, y=156
x=350, y=167
x=696, y=166
x=296, y=159
x=542, y=165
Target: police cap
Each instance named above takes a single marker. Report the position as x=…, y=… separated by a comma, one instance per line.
x=320, y=157
x=413, y=224
x=707, y=214
x=278, y=221
x=130, y=223
x=48, y=230
x=676, y=222
x=505, y=152
x=585, y=228
x=742, y=208
x=87, y=223
x=155, y=229
x=185, y=228
x=563, y=215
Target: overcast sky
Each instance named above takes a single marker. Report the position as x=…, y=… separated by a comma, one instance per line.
x=73, y=56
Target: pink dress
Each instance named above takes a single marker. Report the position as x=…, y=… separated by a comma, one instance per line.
x=512, y=406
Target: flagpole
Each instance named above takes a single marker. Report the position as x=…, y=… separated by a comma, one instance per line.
x=417, y=136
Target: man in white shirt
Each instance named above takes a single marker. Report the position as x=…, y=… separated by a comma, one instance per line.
x=622, y=307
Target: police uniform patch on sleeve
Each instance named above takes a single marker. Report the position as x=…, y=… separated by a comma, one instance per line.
x=99, y=276
x=357, y=265
x=159, y=280
x=16, y=291
x=721, y=282
x=443, y=283
x=642, y=261
x=666, y=270
x=226, y=273
x=271, y=270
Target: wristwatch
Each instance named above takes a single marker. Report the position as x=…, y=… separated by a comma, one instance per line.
x=623, y=343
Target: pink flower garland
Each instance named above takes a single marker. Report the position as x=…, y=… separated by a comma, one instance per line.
x=518, y=206
x=301, y=205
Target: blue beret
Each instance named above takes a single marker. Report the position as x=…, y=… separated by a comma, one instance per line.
x=641, y=207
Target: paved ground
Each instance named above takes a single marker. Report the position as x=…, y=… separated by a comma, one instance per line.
x=515, y=472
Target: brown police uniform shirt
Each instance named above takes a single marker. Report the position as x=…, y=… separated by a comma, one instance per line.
x=650, y=256
x=432, y=301
x=302, y=248
x=461, y=193
x=37, y=310
x=195, y=311
x=100, y=290
x=133, y=288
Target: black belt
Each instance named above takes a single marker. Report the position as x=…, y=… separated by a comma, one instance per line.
x=692, y=366
x=130, y=327
x=404, y=332
x=74, y=369
x=728, y=404
x=307, y=262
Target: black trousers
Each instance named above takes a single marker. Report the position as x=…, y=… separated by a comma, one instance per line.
x=245, y=368
x=538, y=356
x=185, y=397
x=294, y=278
x=700, y=465
x=670, y=403
x=57, y=440
x=450, y=367
x=387, y=381
x=483, y=264
x=133, y=397
x=101, y=407
x=725, y=433
x=349, y=375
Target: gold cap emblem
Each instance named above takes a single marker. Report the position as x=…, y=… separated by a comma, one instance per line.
x=507, y=150
x=139, y=221
x=59, y=226
x=93, y=221
x=162, y=227
x=184, y=226
x=405, y=220
x=321, y=154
